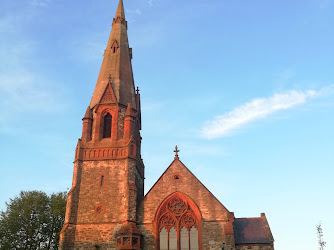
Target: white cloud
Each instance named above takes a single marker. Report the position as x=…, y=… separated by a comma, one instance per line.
x=256, y=109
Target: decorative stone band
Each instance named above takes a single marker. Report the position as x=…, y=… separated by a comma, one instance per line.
x=109, y=153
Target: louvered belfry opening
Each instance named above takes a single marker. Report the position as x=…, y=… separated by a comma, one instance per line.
x=107, y=126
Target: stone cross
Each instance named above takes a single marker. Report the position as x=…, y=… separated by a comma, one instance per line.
x=176, y=152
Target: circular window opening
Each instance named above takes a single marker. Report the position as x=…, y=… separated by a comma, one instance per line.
x=176, y=177
x=99, y=210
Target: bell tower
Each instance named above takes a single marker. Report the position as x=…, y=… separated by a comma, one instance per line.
x=108, y=176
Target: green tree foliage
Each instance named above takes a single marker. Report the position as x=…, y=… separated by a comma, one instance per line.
x=32, y=220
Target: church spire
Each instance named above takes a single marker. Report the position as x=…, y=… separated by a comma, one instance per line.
x=109, y=173
x=116, y=64
x=120, y=10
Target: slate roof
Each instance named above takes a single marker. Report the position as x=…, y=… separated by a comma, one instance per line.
x=252, y=231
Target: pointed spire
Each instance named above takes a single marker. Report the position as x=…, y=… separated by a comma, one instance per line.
x=117, y=64
x=120, y=10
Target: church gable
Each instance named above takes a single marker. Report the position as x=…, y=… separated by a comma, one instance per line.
x=178, y=178
x=211, y=219
x=108, y=95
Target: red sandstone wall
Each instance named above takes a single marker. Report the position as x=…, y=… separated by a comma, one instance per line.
x=117, y=198
x=214, y=214
x=110, y=196
x=255, y=247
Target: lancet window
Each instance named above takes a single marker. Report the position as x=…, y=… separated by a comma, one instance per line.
x=178, y=225
x=114, y=47
x=107, y=126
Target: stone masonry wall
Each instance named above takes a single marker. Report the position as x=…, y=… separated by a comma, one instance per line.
x=111, y=196
x=255, y=247
x=177, y=178
x=98, y=207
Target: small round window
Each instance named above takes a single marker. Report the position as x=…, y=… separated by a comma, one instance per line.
x=100, y=210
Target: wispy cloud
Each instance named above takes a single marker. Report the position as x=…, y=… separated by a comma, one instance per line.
x=6, y=24
x=325, y=4
x=286, y=74
x=135, y=11
x=23, y=89
x=89, y=50
x=256, y=109
x=150, y=3
x=148, y=35
x=25, y=92
x=132, y=14
x=39, y=3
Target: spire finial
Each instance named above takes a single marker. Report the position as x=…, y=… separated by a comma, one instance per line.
x=120, y=10
x=137, y=90
x=176, y=152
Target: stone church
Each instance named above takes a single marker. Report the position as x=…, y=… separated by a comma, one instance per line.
x=106, y=206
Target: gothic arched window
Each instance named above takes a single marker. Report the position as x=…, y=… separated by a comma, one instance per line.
x=107, y=126
x=114, y=47
x=177, y=225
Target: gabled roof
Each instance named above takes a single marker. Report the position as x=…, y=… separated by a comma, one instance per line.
x=252, y=231
x=176, y=159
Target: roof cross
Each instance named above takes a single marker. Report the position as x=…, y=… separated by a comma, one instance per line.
x=176, y=152
x=137, y=90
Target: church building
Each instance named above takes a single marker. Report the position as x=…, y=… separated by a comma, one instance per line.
x=106, y=206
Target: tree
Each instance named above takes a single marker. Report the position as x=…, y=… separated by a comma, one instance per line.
x=320, y=234
x=32, y=220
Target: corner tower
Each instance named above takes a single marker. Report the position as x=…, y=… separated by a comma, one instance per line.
x=108, y=176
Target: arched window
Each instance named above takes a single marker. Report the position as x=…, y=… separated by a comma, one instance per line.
x=114, y=47
x=177, y=224
x=107, y=126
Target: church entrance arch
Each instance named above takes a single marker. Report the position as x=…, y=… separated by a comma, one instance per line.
x=178, y=222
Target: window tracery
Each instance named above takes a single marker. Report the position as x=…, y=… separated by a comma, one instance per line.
x=177, y=225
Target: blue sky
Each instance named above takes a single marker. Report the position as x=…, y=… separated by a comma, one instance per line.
x=244, y=88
